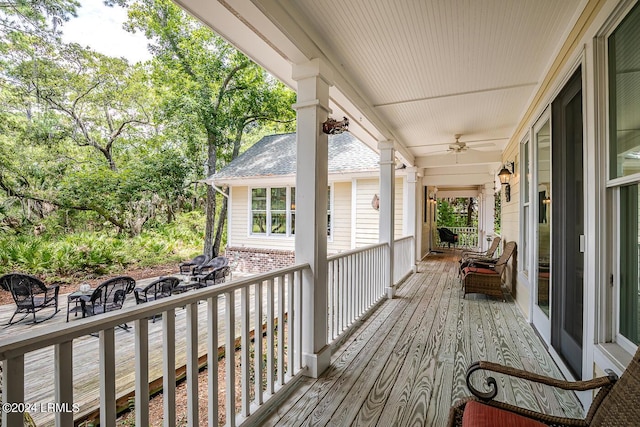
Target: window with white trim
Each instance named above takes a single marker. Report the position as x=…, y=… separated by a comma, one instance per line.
x=276, y=206
x=624, y=172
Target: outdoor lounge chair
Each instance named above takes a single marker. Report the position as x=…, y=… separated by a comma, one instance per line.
x=616, y=404
x=160, y=288
x=215, y=277
x=188, y=266
x=487, y=278
x=213, y=264
x=481, y=254
x=447, y=236
x=30, y=295
x=108, y=296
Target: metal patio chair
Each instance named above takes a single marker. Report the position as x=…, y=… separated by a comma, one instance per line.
x=108, y=296
x=30, y=295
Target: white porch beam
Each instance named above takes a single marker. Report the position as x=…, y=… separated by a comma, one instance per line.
x=454, y=178
x=387, y=207
x=314, y=79
x=443, y=194
x=464, y=158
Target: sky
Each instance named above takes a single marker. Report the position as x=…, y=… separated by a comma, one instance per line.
x=100, y=27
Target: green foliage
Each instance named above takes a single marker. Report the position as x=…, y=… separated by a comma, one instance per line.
x=90, y=254
x=455, y=212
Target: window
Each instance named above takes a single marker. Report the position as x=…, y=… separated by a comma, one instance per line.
x=281, y=212
x=329, y=211
x=624, y=97
x=293, y=210
x=629, y=263
x=259, y=211
x=623, y=66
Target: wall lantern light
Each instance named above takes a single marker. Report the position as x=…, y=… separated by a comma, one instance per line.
x=505, y=176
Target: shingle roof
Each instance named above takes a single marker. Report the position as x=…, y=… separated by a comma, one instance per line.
x=275, y=155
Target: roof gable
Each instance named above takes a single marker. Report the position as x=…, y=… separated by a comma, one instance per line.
x=275, y=155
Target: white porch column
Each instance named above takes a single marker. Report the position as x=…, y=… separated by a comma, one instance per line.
x=314, y=79
x=489, y=203
x=387, y=207
x=414, y=208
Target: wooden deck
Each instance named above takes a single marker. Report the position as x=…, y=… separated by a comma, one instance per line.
x=406, y=363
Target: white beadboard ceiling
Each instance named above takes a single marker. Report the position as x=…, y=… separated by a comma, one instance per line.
x=413, y=71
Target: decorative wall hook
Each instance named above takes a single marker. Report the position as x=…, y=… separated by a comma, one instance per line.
x=334, y=127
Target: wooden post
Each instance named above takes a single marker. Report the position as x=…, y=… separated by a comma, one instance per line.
x=387, y=209
x=413, y=218
x=313, y=78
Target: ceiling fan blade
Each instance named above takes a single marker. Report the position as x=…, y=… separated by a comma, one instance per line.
x=486, y=144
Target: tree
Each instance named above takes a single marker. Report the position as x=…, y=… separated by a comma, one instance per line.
x=84, y=122
x=209, y=87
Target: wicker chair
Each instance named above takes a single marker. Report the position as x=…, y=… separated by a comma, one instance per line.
x=160, y=288
x=487, y=278
x=30, y=295
x=213, y=264
x=108, y=296
x=215, y=277
x=616, y=404
x=466, y=255
x=188, y=266
x=447, y=236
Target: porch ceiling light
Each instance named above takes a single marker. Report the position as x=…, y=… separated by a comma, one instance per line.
x=505, y=177
x=505, y=174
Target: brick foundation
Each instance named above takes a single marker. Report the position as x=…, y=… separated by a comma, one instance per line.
x=254, y=260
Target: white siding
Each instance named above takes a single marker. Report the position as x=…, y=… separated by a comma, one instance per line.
x=341, y=218
x=367, y=218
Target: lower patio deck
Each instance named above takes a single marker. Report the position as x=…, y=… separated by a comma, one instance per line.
x=406, y=363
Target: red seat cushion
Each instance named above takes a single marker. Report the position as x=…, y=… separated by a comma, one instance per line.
x=478, y=270
x=478, y=414
x=543, y=275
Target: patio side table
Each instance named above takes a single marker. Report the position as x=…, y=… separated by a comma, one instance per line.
x=74, y=298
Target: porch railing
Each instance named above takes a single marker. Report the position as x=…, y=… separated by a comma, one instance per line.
x=272, y=299
x=403, y=258
x=355, y=283
x=236, y=313
x=467, y=236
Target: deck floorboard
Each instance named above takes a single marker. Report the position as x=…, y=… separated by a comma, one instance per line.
x=406, y=365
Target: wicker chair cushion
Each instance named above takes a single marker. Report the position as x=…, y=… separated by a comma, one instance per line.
x=478, y=414
x=478, y=270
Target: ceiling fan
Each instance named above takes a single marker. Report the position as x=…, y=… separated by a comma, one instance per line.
x=461, y=146
x=457, y=147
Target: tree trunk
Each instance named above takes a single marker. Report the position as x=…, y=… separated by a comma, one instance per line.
x=211, y=198
x=470, y=212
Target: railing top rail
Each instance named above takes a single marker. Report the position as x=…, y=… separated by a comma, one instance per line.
x=56, y=334
x=355, y=251
x=402, y=239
